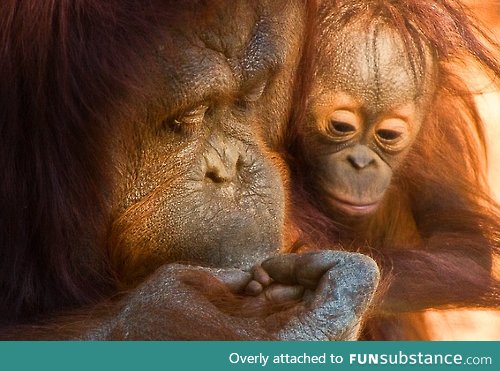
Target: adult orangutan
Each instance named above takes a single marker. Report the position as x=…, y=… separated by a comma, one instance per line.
x=388, y=158
x=131, y=138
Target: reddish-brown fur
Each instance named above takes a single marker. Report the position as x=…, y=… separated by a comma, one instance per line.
x=63, y=77
x=438, y=230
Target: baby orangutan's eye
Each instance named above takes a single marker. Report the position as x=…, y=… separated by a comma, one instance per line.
x=342, y=125
x=389, y=135
x=393, y=134
x=341, y=128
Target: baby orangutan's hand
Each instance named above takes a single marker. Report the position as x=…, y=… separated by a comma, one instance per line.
x=270, y=291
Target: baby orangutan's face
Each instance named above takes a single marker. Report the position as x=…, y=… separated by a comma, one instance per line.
x=366, y=109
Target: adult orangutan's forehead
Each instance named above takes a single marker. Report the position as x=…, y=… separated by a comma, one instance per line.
x=227, y=47
x=226, y=27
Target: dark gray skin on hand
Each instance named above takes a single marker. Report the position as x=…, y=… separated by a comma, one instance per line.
x=366, y=110
x=336, y=290
x=339, y=287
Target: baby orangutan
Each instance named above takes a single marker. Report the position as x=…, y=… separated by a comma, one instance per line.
x=389, y=157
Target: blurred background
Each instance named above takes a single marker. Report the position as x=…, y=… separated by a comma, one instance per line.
x=479, y=325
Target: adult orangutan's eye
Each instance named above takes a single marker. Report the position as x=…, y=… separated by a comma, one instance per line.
x=194, y=116
x=188, y=120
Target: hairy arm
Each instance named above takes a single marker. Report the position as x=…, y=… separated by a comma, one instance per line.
x=445, y=273
x=168, y=306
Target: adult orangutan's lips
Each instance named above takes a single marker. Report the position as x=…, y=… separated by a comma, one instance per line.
x=353, y=209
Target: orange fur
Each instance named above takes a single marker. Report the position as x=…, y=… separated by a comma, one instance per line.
x=439, y=230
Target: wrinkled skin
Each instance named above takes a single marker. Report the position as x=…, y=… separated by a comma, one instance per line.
x=203, y=187
x=194, y=182
x=337, y=286
x=367, y=106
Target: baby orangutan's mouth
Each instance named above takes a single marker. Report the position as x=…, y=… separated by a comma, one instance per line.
x=353, y=208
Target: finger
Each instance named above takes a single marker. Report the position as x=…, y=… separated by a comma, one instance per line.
x=304, y=269
x=261, y=276
x=310, y=267
x=279, y=294
x=254, y=288
x=281, y=268
x=235, y=279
